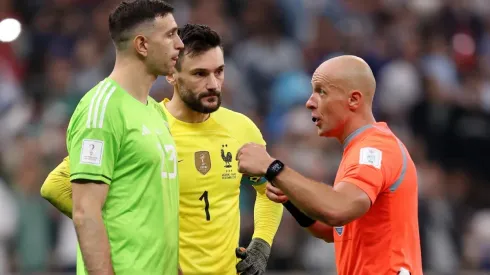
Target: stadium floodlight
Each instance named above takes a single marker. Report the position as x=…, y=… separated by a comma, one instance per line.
x=10, y=30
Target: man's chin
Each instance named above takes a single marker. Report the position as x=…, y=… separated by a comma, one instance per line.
x=209, y=111
x=167, y=70
x=210, y=107
x=324, y=133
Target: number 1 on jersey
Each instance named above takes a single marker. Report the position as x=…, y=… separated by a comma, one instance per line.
x=204, y=197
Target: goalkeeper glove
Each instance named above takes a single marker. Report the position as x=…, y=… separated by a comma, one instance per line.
x=254, y=257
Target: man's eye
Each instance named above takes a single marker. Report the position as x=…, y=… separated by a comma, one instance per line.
x=322, y=92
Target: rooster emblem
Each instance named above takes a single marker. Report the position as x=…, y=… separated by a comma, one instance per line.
x=226, y=158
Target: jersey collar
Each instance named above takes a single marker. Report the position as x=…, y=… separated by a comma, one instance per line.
x=354, y=134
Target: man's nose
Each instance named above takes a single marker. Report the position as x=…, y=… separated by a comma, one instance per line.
x=212, y=83
x=179, y=45
x=311, y=102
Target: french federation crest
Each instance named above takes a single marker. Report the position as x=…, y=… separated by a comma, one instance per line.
x=339, y=230
x=228, y=157
x=202, y=161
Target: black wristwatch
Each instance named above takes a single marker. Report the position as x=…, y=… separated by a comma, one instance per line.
x=274, y=169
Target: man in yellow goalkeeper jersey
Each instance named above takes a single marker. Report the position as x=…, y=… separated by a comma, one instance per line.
x=207, y=138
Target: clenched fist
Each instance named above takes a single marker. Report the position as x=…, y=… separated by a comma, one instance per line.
x=253, y=159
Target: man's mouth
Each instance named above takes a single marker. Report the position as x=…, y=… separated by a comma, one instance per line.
x=210, y=95
x=316, y=120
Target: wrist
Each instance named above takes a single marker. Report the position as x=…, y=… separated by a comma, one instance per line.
x=261, y=245
x=264, y=170
x=274, y=169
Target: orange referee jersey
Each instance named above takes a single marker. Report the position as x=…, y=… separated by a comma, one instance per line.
x=386, y=239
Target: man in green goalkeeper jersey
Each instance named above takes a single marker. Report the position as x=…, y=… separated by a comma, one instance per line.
x=123, y=158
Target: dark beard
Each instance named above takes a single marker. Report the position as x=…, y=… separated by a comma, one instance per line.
x=194, y=102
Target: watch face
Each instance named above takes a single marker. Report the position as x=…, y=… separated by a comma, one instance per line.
x=276, y=167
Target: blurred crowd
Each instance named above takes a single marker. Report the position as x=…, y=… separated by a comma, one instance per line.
x=431, y=59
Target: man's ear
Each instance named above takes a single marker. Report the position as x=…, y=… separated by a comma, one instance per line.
x=140, y=43
x=355, y=99
x=171, y=78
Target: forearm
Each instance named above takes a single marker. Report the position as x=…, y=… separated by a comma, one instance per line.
x=94, y=243
x=316, y=228
x=267, y=217
x=317, y=200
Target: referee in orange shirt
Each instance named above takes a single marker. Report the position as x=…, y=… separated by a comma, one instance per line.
x=370, y=213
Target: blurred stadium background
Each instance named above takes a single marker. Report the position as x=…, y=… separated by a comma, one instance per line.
x=431, y=59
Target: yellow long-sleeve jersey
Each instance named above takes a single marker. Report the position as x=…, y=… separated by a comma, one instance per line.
x=209, y=191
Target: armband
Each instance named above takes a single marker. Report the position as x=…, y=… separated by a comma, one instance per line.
x=300, y=217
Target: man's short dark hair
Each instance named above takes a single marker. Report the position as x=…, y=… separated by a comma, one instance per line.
x=129, y=14
x=197, y=39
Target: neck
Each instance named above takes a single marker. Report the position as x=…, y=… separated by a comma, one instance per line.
x=355, y=124
x=133, y=77
x=178, y=109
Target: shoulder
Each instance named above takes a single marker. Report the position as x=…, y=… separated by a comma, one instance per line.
x=98, y=106
x=104, y=96
x=380, y=138
x=159, y=107
x=225, y=114
x=239, y=124
x=377, y=148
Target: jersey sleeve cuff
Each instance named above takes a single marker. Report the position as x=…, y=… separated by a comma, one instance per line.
x=90, y=177
x=253, y=180
x=363, y=186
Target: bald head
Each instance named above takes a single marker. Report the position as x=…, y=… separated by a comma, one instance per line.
x=346, y=73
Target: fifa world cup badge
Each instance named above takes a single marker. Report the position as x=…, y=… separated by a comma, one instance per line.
x=202, y=160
